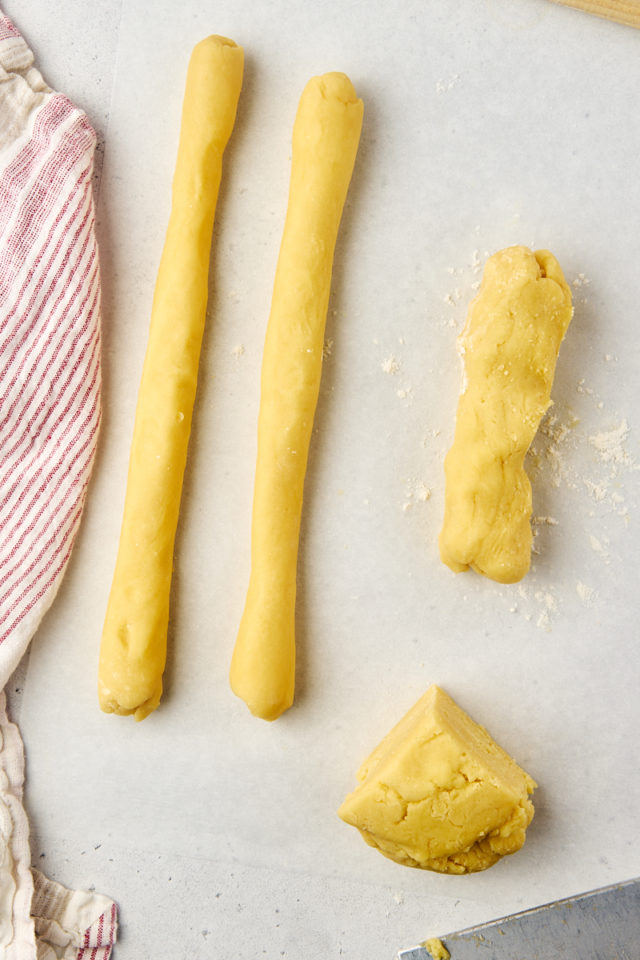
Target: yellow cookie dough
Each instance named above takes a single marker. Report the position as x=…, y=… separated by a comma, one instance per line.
x=134, y=638
x=436, y=949
x=509, y=347
x=438, y=793
x=325, y=141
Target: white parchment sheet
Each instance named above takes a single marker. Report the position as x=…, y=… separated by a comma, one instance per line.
x=486, y=124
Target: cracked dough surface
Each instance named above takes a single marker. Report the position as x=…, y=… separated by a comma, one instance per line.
x=509, y=347
x=439, y=793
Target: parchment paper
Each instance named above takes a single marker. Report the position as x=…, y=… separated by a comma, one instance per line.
x=486, y=124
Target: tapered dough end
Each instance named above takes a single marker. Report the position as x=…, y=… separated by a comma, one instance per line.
x=109, y=703
x=217, y=46
x=326, y=134
x=264, y=704
x=268, y=693
x=336, y=92
x=132, y=659
x=262, y=671
x=268, y=707
x=221, y=52
x=214, y=81
x=335, y=86
x=215, y=40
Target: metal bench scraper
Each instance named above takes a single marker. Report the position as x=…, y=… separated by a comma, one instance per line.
x=601, y=925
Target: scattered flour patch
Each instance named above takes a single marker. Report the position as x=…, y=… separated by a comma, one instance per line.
x=405, y=393
x=416, y=491
x=611, y=445
x=600, y=548
x=558, y=456
x=546, y=600
x=580, y=285
x=550, y=448
x=598, y=491
x=390, y=365
x=544, y=621
x=443, y=86
x=587, y=594
x=535, y=603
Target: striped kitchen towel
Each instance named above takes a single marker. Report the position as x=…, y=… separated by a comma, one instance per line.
x=49, y=339
x=49, y=421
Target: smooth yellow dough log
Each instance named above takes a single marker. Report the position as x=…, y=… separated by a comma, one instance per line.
x=509, y=347
x=325, y=141
x=134, y=639
x=439, y=793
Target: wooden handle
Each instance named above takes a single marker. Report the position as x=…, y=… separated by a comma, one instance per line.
x=622, y=11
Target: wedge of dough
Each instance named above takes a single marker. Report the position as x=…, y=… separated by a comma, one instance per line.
x=439, y=793
x=325, y=141
x=509, y=348
x=134, y=638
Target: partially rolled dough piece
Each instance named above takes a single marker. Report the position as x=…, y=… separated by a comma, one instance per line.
x=509, y=348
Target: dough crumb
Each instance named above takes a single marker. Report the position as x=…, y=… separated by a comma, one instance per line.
x=416, y=491
x=423, y=492
x=436, y=949
x=390, y=365
x=405, y=393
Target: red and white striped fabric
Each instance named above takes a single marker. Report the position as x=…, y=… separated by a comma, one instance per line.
x=72, y=923
x=49, y=421
x=49, y=339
